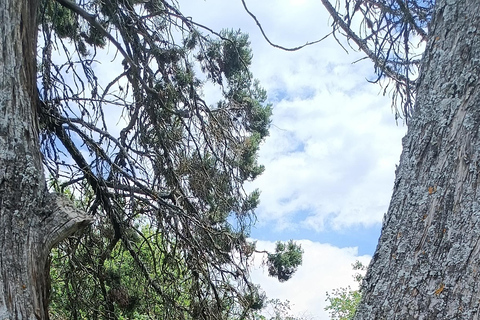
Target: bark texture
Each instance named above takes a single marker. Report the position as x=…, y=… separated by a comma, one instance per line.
x=427, y=263
x=31, y=220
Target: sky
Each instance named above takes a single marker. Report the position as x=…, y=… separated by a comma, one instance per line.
x=332, y=150
x=331, y=153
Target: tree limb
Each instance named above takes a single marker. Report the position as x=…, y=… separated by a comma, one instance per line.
x=276, y=45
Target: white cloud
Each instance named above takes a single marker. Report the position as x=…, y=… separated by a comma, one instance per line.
x=324, y=268
x=332, y=149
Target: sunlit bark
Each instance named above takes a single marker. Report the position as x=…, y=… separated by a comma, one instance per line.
x=427, y=264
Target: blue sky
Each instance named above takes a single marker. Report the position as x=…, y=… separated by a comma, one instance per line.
x=364, y=238
x=332, y=150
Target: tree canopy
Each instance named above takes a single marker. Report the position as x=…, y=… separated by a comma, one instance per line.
x=159, y=167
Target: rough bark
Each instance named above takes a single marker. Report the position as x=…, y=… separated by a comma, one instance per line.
x=427, y=263
x=31, y=219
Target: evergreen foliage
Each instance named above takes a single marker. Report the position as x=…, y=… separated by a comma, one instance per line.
x=284, y=262
x=164, y=183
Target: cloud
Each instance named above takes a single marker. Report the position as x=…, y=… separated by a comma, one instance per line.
x=324, y=268
x=332, y=150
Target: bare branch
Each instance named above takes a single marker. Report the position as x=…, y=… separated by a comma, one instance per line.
x=276, y=45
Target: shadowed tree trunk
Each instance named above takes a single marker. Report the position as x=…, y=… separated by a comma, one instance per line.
x=31, y=220
x=427, y=263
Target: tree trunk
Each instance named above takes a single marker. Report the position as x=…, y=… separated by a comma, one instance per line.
x=427, y=263
x=31, y=220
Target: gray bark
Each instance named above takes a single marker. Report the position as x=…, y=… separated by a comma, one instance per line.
x=31, y=219
x=427, y=263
